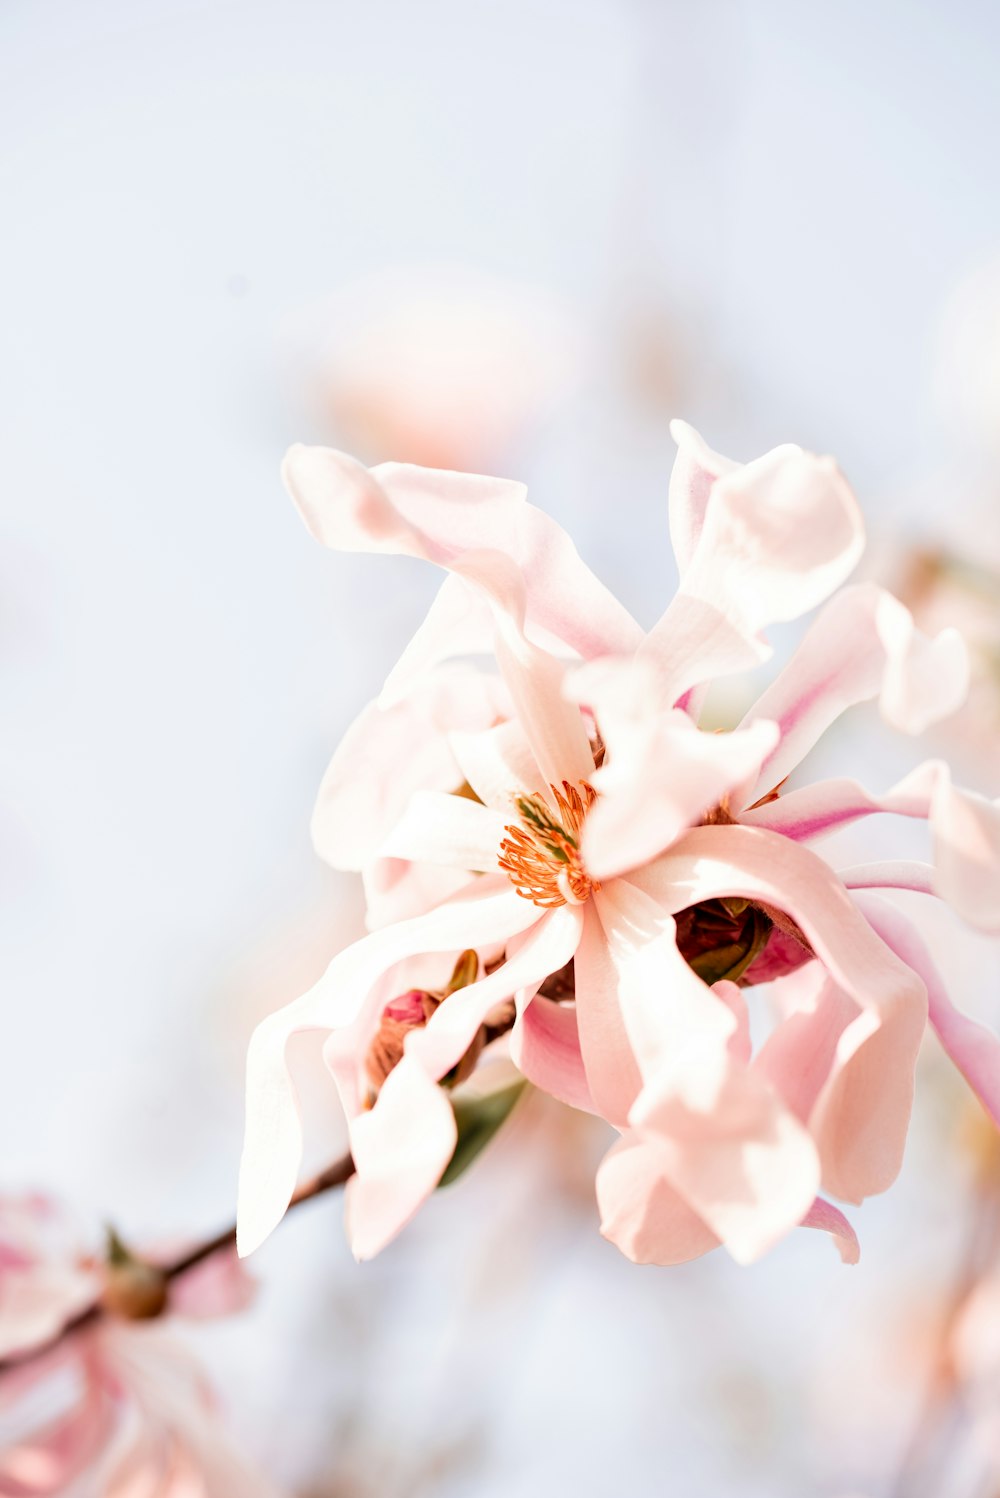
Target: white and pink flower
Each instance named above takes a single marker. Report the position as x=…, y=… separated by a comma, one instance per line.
x=597, y=824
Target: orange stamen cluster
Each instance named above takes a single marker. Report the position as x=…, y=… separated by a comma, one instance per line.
x=541, y=856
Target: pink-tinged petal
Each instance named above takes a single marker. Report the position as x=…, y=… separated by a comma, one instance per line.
x=815, y=811
x=641, y=1213
x=218, y=1286
x=458, y=622
x=451, y=830
x=608, y=1058
x=777, y=537
x=37, y=1300
x=890, y=874
x=440, y=515
x=863, y=644
x=273, y=1141
x=696, y=468
x=973, y=1048
x=545, y=1048
x=965, y=828
x=387, y=754
x=498, y=764
x=829, y=1219
x=662, y=773
x=740, y=1047
x=845, y=1072
x=400, y=1151
x=722, y=1139
x=692, y=644
x=540, y=951
x=553, y=726
x=858, y=1049
x=397, y=890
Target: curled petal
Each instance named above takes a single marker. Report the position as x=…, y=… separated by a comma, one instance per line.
x=272, y=1147
x=829, y=1219
x=973, y=1048
x=965, y=829
x=440, y=516
x=863, y=644
x=696, y=468
x=777, y=537
x=400, y=1150
x=662, y=773
x=715, y=1131
x=641, y=1213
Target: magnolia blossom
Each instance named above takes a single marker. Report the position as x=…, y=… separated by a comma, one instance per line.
x=119, y=1407
x=625, y=876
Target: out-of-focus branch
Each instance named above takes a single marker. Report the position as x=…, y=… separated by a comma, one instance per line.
x=327, y=1180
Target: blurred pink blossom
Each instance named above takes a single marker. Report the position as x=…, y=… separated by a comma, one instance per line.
x=117, y=1407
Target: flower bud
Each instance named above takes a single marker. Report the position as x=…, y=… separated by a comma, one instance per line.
x=133, y=1289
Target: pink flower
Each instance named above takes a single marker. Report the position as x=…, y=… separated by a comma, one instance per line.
x=118, y=1407
x=608, y=830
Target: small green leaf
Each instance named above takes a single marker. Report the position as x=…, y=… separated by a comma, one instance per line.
x=478, y=1119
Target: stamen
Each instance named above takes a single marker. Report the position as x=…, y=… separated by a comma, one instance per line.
x=541, y=857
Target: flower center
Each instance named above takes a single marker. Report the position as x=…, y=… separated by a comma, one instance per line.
x=541, y=855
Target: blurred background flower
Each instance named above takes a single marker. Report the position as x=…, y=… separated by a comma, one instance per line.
x=514, y=238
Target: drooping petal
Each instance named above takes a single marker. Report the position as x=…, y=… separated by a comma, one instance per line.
x=545, y=1047
x=829, y=1219
x=451, y=830
x=400, y=1150
x=273, y=1140
x=608, y=1058
x=718, y=1134
x=641, y=1213
x=661, y=774
x=973, y=1048
x=777, y=537
x=848, y=1065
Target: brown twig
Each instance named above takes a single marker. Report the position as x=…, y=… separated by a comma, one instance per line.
x=327, y=1180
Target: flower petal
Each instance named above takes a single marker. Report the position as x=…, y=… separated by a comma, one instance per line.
x=973, y=1048
x=777, y=537
x=439, y=515
x=545, y=1048
x=542, y=950
x=696, y=468
x=387, y=754
x=400, y=1150
x=662, y=773
x=272, y=1146
x=829, y=1219
x=641, y=1213
x=863, y=644
x=964, y=825
x=498, y=764
x=452, y=830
